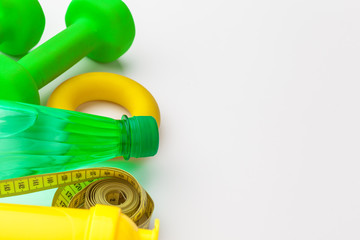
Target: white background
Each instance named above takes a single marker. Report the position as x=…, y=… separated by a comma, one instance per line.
x=260, y=115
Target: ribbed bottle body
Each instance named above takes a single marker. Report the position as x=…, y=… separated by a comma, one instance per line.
x=36, y=139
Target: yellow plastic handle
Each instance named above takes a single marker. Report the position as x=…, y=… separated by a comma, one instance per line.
x=108, y=87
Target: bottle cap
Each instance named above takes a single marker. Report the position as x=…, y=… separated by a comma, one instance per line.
x=144, y=133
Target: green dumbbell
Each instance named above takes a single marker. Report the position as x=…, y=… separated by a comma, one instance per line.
x=102, y=30
x=22, y=24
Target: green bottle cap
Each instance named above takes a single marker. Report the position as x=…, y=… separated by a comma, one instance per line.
x=144, y=136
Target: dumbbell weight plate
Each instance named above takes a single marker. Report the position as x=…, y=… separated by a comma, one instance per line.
x=22, y=23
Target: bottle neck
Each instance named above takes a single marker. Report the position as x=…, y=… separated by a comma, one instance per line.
x=139, y=137
x=125, y=137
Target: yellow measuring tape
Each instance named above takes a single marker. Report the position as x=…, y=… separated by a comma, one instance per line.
x=85, y=188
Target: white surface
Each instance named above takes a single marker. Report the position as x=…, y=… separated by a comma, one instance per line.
x=260, y=125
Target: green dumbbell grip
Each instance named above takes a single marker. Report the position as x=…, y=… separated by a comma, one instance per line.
x=51, y=59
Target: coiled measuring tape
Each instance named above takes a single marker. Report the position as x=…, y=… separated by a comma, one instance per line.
x=85, y=188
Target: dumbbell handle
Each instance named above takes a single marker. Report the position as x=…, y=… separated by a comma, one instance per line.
x=58, y=54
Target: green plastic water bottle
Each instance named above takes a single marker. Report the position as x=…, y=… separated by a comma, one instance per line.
x=36, y=139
